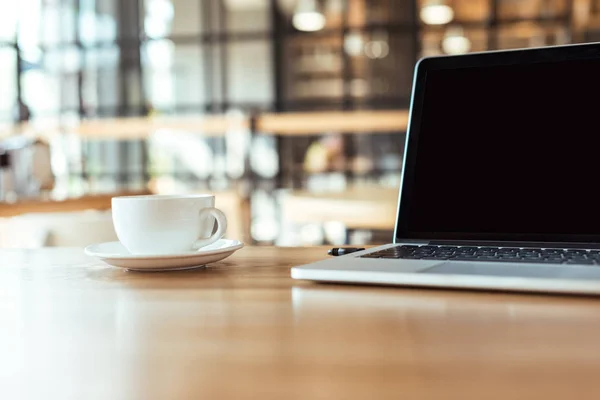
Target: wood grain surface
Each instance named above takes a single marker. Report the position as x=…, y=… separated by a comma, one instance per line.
x=74, y=328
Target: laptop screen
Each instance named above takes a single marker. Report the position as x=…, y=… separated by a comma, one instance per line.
x=509, y=150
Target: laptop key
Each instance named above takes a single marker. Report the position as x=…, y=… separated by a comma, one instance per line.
x=580, y=262
x=464, y=253
x=406, y=247
x=551, y=251
x=579, y=259
x=468, y=248
x=554, y=261
x=576, y=252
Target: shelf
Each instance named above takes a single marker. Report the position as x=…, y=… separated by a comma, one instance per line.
x=131, y=128
x=286, y=124
x=315, y=123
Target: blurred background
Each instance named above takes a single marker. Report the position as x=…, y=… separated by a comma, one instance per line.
x=293, y=112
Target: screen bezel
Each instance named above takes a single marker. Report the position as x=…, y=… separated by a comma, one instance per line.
x=590, y=51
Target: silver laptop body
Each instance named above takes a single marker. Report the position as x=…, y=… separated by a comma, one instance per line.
x=502, y=160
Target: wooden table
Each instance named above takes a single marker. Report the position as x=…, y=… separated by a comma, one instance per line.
x=73, y=328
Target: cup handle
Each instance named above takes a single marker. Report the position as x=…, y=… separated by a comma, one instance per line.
x=221, y=226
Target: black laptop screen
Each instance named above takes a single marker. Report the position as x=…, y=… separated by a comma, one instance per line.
x=509, y=150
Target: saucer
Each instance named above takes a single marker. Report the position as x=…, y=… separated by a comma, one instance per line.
x=115, y=254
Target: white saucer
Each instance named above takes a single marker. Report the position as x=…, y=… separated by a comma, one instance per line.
x=115, y=254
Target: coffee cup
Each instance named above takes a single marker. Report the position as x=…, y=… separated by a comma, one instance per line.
x=167, y=224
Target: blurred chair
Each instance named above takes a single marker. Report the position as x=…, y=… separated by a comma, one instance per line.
x=28, y=167
x=75, y=229
x=357, y=208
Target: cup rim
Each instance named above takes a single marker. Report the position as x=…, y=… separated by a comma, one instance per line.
x=154, y=197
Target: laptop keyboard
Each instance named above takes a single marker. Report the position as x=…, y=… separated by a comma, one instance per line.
x=503, y=254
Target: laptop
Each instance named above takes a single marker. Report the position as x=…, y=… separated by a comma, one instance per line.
x=500, y=180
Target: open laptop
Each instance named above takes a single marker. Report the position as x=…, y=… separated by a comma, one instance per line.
x=501, y=178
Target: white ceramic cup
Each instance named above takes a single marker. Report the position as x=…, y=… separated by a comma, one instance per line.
x=167, y=224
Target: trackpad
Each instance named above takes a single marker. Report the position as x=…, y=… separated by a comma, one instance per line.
x=514, y=270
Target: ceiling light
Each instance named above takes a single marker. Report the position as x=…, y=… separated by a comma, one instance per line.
x=309, y=21
x=246, y=5
x=307, y=16
x=353, y=44
x=436, y=12
x=162, y=9
x=377, y=49
x=455, y=41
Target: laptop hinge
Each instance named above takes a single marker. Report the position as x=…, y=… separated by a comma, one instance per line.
x=559, y=245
